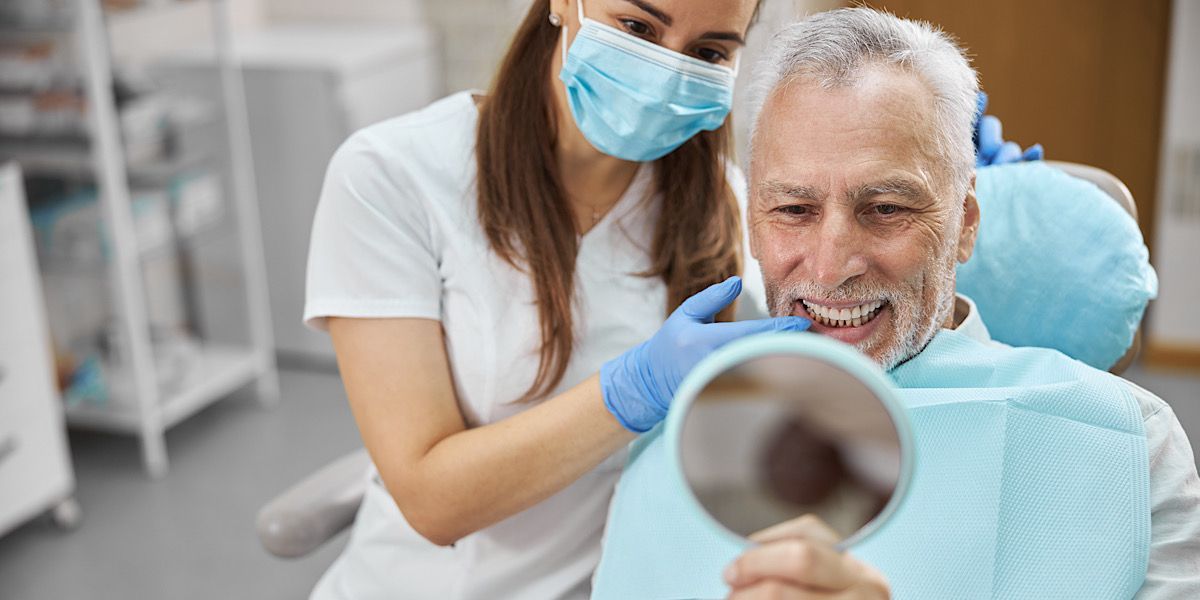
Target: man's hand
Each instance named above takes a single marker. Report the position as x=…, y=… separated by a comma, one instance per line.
x=797, y=560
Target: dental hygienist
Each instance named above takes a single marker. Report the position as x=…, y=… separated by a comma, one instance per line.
x=495, y=271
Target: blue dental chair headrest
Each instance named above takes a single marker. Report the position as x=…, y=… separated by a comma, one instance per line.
x=1057, y=264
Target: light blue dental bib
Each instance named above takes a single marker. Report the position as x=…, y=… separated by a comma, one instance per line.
x=1031, y=480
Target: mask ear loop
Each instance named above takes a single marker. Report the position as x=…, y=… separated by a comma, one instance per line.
x=566, y=30
x=563, y=45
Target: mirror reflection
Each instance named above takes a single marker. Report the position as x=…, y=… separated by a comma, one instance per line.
x=783, y=436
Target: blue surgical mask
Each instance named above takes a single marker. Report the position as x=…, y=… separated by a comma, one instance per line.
x=636, y=100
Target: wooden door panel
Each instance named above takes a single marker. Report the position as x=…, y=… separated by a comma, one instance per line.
x=1083, y=77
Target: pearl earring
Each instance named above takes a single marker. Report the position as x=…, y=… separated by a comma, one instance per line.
x=555, y=20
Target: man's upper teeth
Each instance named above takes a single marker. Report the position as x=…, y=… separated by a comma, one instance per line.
x=843, y=317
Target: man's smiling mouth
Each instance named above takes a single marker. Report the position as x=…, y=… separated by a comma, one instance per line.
x=851, y=316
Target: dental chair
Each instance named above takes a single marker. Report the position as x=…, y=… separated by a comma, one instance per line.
x=316, y=509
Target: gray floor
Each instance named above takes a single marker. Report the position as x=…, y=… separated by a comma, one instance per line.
x=191, y=535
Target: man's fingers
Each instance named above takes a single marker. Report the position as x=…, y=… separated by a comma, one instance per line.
x=807, y=527
x=803, y=563
x=705, y=304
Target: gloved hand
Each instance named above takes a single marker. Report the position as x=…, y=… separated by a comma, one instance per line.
x=990, y=147
x=639, y=384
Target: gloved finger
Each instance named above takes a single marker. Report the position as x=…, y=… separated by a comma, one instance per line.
x=990, y=137
x=1010, y=152
x=1034, y=152
x=809, y=527
x=705, y=304
x=722, y=333
x=801, y=562
x=981, y=102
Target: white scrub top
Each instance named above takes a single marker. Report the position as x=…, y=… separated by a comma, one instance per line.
x=397, y=234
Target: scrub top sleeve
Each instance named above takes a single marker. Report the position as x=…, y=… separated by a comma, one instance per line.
x=753, y=303
x=371, y=254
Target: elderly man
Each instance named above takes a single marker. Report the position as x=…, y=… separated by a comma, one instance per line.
x=861, y=198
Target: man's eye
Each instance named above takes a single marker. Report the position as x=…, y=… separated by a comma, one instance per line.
x=793, y=209
x=636, y=27
x=711, y=55
x=887, y=209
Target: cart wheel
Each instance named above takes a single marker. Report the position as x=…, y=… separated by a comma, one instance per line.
x=66, y=515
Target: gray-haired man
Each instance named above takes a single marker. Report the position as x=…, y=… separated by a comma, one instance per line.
x=861, y=197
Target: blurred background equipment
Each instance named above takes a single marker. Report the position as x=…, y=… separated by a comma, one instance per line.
x=35, y=467
x=308, y=87
x=127, y=178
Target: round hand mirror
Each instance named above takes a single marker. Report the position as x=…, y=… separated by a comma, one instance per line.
x=776, y=427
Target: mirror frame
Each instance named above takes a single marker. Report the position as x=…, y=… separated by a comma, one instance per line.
x=807, y=345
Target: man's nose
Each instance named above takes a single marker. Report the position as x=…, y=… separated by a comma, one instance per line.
x=837, y=255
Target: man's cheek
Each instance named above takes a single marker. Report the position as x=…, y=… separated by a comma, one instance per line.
x=778, y=254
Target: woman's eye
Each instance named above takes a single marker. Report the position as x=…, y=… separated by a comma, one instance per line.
x=637, y=28
x=711, y=55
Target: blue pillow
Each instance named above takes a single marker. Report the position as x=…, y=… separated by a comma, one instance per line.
x=1057, y=264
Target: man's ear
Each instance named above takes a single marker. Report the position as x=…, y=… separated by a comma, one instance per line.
x=970, y=224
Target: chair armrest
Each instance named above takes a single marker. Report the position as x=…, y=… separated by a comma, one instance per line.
x=301, y=519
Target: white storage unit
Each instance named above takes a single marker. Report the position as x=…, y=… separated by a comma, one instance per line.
x=142, y=405
x=308, y=87
x=35, y=466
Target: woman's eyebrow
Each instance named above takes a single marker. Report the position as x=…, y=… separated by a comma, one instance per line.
x=667, y=20
x=654, y=11
x=727, y=36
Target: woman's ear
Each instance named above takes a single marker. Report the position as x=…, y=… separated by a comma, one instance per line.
x=565, y=13
x=970, y=224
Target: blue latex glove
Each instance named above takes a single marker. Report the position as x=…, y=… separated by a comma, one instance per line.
x=639, y=384
x=990, y=147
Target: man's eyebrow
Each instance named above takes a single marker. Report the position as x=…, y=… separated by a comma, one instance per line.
x=654, y=11
x=899, y=186
x=792, y=190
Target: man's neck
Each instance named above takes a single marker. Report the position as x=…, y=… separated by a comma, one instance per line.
x=961, y=311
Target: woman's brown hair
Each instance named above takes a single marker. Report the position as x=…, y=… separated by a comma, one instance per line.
x=527, y=220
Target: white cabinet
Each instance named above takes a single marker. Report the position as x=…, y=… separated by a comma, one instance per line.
x=35, y=466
